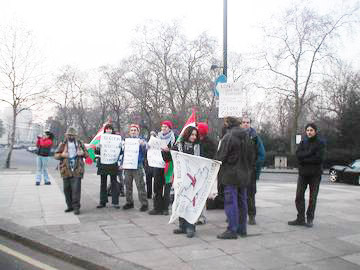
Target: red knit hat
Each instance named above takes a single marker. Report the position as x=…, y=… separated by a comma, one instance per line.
x=167, y=123
x=203, y=128
x=135, y=126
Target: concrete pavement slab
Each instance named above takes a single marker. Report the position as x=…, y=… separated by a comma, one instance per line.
x=333, y=264
x=354, y=258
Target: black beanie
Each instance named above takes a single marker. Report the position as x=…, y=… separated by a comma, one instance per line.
x=312, y=125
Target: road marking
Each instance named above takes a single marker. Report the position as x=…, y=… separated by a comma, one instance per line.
x=26, y=259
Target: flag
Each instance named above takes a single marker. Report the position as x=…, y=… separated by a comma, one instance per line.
x=191, y=122
x=96, y=140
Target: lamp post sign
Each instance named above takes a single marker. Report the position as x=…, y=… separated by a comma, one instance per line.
x=221, y=79
x=230, y=101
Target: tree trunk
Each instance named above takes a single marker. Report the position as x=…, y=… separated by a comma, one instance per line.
x=294, y=131
x=12, y=140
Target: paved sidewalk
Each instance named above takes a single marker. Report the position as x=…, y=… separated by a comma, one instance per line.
x=148, y=241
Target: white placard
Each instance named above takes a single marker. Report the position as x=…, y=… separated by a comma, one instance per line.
x=154, y=155
x=230, y=100
x=110, y=148
x=131, y=153
x=193, y=180
x=298, y=139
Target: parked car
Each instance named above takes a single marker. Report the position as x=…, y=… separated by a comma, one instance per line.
x=346, y=174
x=32, y=149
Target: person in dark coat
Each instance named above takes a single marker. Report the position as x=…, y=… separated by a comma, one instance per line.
x=189, y=144
x=258, y=164
x=236, y=153
x=104, y=170
x=310, y=155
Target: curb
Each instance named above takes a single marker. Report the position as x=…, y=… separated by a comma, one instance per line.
x=84, y=257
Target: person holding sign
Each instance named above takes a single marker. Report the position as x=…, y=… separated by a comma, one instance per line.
x=134, y=153
x=188, y=144
x=109, y=151
x=162, y=186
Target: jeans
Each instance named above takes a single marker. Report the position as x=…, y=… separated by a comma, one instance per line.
x=237, y=219
x=114, y=190
x=41, y=169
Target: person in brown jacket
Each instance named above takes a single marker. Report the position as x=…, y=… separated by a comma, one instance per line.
x=71, y=153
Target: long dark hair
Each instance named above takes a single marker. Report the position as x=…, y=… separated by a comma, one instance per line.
x=187, y=134
x=109, y=126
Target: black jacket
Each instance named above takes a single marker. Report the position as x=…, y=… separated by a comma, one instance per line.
x=237, y=155
x=310, y=155
x=207, y=148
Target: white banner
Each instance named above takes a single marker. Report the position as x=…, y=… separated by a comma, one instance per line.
x=154, y=155
x=110, y=148
x=131, y=153
x=193, y=180
x=230, y=100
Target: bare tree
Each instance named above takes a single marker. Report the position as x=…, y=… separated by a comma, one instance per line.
x=19, y=75
x=298, y=47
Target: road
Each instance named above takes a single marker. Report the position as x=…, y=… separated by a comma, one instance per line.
x=14, y=256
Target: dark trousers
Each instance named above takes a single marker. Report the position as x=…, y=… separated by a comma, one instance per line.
x=313, y=182
x=161, y=190
x=251, y=191
x=72, y=192
x=114, y=189
x=149, y=181
x=235, y=206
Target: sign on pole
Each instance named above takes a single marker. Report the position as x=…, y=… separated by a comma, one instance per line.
x=110, y=148
x=131, y=153
x=230, y=100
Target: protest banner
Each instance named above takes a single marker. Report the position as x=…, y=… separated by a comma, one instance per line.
x=194, y=177
x=131, y=153
x=231, y=101
x=154, y=155
x=110, y=148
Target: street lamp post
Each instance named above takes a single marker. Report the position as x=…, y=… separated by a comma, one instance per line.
x=225, y=39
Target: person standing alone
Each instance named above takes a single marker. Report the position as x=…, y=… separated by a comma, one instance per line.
x=44, y=145
x=310, y=155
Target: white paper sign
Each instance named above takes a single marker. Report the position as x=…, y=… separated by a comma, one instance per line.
x=110, y=148
x=298, y=139
x=230, y=100
x=154, y=155
x=193, y=180
x=131, y=153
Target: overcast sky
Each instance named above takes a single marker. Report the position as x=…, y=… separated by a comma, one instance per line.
x=89, y=33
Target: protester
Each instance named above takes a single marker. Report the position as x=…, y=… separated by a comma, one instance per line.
x=310, y=155
x=44, y=144
x=237, y=154
x=208, y=150
x=136, y=174
x=104, y=170
x=189, y=144
x=149, y=172
x=162, y=186
x=255, y=175
x=71, y=154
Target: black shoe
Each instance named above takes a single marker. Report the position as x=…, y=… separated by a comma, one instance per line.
x=68, y=210
x=155, y=212
x=178, y=231
x=190, y=233
x=252, y=220
x=228, y=235
x=101, y=205
x=128, y=206
x=144, y=208
x=296, y=222
x=165, y=212
x=38, y=184
x=48, y=183
x=309, y=223
x=76, y=212
x=116, y=206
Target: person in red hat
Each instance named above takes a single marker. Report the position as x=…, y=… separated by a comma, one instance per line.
x=161, y=188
